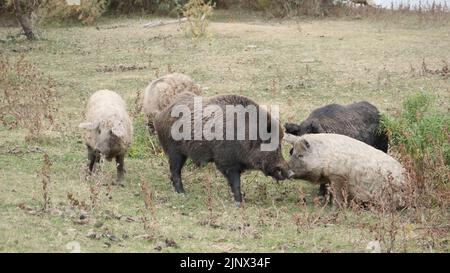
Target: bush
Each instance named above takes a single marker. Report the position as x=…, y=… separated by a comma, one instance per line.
x=27, y=97
x=421, y=128
x=5, y=5
x=283, y=8
x=421, y=131
x=198, y=13
x=58, y=11
x=89, y=11
x=2, y=6
x=148, y=6
x=27, y=6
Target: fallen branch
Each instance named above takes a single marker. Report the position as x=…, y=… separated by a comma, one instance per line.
x=159, y=23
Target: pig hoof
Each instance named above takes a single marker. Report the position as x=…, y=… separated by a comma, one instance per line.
x=180, y=191
x=238, y=204
x=119, y=183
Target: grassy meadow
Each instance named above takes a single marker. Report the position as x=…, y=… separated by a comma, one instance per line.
x=297, y=64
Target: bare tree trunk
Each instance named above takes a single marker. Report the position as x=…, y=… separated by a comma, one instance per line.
x=24, y=21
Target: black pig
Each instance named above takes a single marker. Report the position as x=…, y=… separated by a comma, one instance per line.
x=359, y=120
x=231, y=156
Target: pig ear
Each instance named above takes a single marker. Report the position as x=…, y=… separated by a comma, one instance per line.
x=117, y=130
x=88, y=125
x=316, y=128
x=305, y=144
x=291, y=128
x=291, y=139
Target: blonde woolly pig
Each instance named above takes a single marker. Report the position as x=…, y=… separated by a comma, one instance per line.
x=349, y=166
x=109, y=130
x=160, y=93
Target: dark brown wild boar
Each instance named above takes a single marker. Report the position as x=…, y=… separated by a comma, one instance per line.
x=232, y=147
x=359, y=120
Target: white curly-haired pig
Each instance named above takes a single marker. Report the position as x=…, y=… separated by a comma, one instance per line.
x=349, y=166
x=160, y=93
x=109, y=130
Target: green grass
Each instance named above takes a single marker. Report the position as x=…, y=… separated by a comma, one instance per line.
x=297, y=65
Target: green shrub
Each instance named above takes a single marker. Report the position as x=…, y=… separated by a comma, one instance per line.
x=198, y=13
x=423, y=130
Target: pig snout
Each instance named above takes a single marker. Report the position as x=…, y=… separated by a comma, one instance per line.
x=281, y=173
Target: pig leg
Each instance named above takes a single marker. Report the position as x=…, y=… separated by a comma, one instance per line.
x=323, y=190
x=339, y=192
x=151, y=127
x=176, y=161
x=234, y=180
x=120, y=169
x=93, y=157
